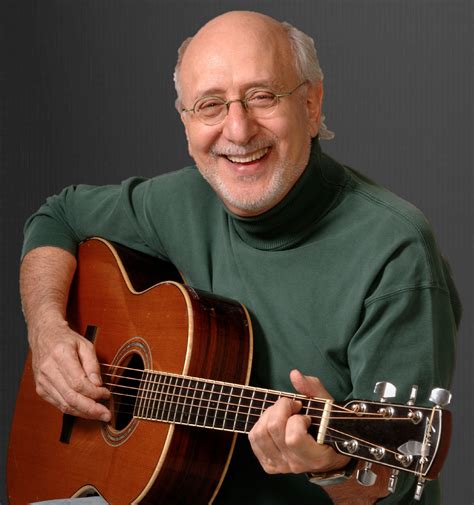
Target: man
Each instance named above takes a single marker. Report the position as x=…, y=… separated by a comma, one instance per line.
x=343, y=280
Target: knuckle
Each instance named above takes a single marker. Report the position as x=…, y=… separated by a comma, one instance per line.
x=296, y=467
x=76, y=383
x=57, y=351
x=293, y=440
x=274, y=427
x=70, y=397
x=271, y=470
x=65, y=408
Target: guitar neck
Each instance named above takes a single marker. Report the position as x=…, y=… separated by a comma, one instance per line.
x=207, y=403
x=404, y=437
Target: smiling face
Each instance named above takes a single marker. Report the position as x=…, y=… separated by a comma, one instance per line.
x=251, y=163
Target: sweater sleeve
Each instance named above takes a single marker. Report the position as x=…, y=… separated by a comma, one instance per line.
x=407, y=336
x=120, y=213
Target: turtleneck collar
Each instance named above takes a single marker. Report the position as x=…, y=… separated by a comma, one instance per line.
x=291, y=220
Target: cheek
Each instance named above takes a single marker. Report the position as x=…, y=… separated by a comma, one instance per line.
x=200, y=141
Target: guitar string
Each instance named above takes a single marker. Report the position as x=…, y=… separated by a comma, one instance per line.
x=254, y=400
x=365, y=442
x=222, y=384
x=360, y=415
x=219, y=422
x=153, y=399
x=207, y=401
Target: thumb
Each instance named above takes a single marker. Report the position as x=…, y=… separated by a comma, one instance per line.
x=308, y=385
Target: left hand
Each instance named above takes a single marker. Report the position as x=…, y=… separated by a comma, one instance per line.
x=280, y=439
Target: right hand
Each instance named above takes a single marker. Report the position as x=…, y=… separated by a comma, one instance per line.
x=67, y=372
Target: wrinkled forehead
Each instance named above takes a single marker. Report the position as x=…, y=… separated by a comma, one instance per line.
x=230, y=59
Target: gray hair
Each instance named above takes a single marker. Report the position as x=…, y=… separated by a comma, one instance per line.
x=306, y=63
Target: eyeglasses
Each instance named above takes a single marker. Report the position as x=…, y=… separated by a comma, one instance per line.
x=212, y=110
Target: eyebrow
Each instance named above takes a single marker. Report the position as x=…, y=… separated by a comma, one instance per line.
x=216, y=91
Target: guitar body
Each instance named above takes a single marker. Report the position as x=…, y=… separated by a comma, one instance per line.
x=168, y=327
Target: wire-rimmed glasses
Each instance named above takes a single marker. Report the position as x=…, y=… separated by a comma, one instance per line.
x=260, y=103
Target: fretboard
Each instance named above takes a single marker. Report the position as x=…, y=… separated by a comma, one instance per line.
x=211, y=404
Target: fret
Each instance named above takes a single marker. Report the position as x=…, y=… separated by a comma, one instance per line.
x=210, y=408
x=193, y=410
x=185, y=384
x=200, y=418
x=207, y=390
x=159, y=403
x=247, y=401
x=216, y=403
x=167, y=398
x=175, y=398
x=271, y=397
x=140, y=397
x=264, y=406
x=309, y=410
x=145, y=393
x=256, y=407
x=224, y=413
x=237, y=410
x=150, y=395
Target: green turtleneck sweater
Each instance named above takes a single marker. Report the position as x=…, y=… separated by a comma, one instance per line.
x=343, y=280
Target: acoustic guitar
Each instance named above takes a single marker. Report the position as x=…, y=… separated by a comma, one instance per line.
x=177, y=362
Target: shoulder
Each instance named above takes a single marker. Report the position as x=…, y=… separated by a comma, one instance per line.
x=385, y=205
x=172, y=188
x=396, y=232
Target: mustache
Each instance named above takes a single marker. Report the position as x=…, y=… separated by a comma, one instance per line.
x=231, y=149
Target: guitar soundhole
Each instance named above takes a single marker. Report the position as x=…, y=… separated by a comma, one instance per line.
x=125, y=390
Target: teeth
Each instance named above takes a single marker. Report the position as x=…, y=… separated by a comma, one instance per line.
x=248, y=157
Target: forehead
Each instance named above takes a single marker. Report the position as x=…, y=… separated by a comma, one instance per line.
x=224, y=61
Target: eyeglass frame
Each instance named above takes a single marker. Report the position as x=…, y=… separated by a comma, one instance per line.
x=243, y=101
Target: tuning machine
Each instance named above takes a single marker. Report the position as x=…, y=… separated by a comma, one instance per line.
x=440, y=397
x=392, y=481
x=366, y=476
x=385, y=390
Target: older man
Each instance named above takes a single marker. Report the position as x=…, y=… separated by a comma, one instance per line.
x=343, y=279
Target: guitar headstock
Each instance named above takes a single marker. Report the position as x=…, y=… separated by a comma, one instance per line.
x=404, y=437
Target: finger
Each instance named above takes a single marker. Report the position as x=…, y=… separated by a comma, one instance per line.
x=267, y=454
x=67, y=399
x=90, y=363
x=267, y=437
x=74, y=375
x=70, y=402
x=308, y=386
x=276, y=418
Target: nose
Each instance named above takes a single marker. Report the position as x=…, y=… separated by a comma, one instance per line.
x=238, y=126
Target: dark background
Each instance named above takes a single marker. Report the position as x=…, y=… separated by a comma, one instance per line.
x=89, y=98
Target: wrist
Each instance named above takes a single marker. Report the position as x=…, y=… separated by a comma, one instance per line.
x=331, y=477
x=45, y=326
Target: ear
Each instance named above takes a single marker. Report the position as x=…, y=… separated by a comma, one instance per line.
x=184, y=120
x=314, y=101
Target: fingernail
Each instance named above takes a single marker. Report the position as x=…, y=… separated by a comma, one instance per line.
x=94, y=378
x=105, y=417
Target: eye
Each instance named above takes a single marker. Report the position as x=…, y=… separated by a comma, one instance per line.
x=208, y=105
x=261, y=98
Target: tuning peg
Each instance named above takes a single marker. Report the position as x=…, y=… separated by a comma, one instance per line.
x=420, y=485
x=365, y=476
x=385, y=390
x=440, y=397
x=392, y=481
x=413, y=393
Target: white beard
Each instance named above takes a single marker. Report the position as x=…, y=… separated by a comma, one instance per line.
x=246, y=199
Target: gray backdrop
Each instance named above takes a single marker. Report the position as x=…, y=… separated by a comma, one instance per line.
x=90, y=99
